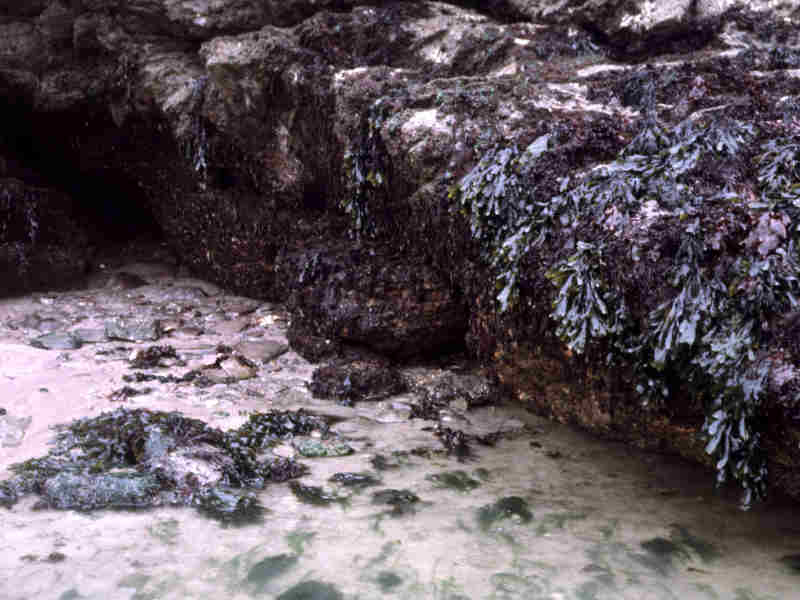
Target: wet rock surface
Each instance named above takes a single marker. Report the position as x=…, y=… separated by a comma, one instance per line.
x=349, y=382
x=368, y=297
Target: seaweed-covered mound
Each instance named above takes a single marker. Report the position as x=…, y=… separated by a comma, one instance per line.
x=675, y=264
x=140, y=458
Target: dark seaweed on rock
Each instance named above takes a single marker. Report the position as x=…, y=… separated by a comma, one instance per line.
x=262, y=429
x=140, y=458
x=672, y=258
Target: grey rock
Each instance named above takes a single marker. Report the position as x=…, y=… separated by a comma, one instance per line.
x=262, y=351
x=56, y=341
x=90, y=336
x=133, y=329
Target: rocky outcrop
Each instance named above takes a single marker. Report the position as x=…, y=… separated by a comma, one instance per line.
x=417, y=176
x=371, y=297
x=41, y=244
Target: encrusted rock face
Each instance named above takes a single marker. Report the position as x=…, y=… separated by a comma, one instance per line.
x=382, y=166
x=369, y=296
x=41, y=245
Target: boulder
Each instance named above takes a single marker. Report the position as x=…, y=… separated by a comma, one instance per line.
x=369, y=296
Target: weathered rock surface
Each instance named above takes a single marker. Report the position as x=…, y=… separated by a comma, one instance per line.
x=370, y=297
x=323, y=152
x=354, y=381
x=42, y=246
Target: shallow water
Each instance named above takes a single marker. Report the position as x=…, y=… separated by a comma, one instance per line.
x=547, y=512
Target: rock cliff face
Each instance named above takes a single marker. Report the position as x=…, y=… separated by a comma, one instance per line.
x=387, y=167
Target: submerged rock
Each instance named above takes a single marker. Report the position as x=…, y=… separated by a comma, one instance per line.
x=456, y=480
x=505, y=508
x=402, y=501
x=267, y=569
x=312, y=590
x=316, y=495
x=355, y=480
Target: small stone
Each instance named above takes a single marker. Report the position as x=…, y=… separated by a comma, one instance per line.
x=133, y=329
x=237, y=369
x=262, y=351
x=90, y=336
x=56, y=341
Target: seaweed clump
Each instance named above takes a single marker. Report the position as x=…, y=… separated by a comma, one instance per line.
x=139, y=458
x=678, y=261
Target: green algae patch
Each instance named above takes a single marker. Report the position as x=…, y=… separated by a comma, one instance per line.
x=312, y=590
x=661, y=554
x=482, y=474
x=510, y=507
x=402, y=501
x=510, y=585
x=298, y=540
x=316, y=495
x=312, y=448
x=792, y=562
x=388, y=581
x=554, y=521
x=165, y=531
x=705, y=550
x=141, y=458
x=459, y=481
x=267, y=569
x=396, y=460
x=355, y=480
x=230, y=506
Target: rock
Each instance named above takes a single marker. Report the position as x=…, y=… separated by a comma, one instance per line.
x=356, y=381
x=313, y=348
x=154, y=356
x=397, y=170
x=262, y=351
x=113, y=490
x=119, y=280
x=57, y=341
x=42, y=246
x=89, y=336
x=152, y=458
x=443, y=388
x=366, y=296
x=132, y=329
